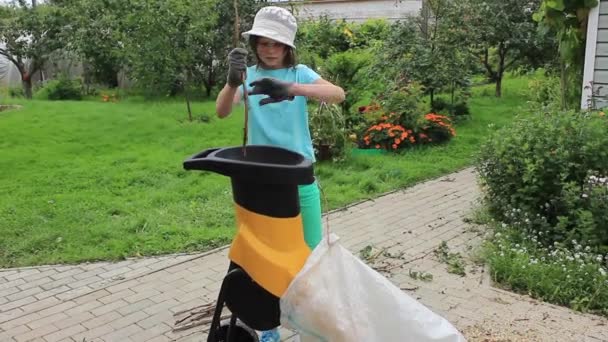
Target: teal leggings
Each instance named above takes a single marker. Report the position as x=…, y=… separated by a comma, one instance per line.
x=310, y=207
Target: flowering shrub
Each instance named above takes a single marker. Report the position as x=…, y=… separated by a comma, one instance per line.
x=109, y=98
x=587, y=205
x=390, y=132
x=388, y=136
x=543, y=165
x=521, y=261
x=437, y=128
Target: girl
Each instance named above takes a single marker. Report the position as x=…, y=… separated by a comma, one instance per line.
x=278, y=114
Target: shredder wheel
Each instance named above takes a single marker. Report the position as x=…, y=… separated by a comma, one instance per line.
x=240, y=332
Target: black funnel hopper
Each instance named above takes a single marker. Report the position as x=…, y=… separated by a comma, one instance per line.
x=260, y=164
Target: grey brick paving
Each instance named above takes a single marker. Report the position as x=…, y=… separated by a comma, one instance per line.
x=134, y=300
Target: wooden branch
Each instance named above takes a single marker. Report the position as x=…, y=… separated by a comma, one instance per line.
x=236, y=23
x=486, y=62
x=199, y=323
x=12, y=59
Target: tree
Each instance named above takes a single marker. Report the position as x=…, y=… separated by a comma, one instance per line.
x=424, y=50
x=503, y=29
x=213, y=55
x=96, y=35
x=29, y=35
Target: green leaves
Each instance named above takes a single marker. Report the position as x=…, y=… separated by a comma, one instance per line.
x=568, y=18
x=556, y=4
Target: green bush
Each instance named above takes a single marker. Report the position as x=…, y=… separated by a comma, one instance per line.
x=16, y=92
x=457, y=110
x=347, y=69
x=60, y=89
x=544, y=93
x=543, y=165
x=406, y=101
x=440, y=105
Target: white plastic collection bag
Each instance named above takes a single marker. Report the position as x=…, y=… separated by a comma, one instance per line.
x=338, y=298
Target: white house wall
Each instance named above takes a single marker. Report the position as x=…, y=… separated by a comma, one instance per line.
x=357, y=10
x=596, y=58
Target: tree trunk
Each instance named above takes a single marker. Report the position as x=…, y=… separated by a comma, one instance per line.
x=499, y=86
x=185, y=85
x=453, y=91
x=27, y=87
x=114, y=83
x=208, y=89
x=502, y=54
x=188, y=105
x=564, y=84
x=209, y=82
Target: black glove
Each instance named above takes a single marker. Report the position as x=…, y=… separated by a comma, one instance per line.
x=237, y=64
x=276, y=90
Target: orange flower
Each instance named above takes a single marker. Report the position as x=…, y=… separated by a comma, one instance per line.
x=397, y=141
x=412, y=140
x=394, y=146
x=391, y=134
x=377, y=146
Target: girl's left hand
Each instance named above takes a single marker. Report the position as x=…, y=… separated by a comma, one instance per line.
x=276, y=90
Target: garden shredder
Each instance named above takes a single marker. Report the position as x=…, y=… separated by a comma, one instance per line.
x=268, y=249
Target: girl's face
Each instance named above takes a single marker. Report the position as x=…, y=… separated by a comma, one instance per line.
x=271, y=52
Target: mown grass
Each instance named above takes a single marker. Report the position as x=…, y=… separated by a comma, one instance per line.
x=83, y=181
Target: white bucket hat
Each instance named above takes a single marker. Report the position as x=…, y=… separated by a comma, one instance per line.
x=275, y=23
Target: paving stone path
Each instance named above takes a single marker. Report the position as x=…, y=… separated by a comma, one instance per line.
x=135, y=300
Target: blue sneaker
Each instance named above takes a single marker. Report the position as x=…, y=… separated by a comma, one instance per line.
x=270, y=336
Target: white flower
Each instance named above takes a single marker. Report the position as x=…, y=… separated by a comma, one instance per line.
x=585, y=196
x=602, y=271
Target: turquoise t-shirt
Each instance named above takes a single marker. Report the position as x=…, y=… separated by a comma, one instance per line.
x=283, y=124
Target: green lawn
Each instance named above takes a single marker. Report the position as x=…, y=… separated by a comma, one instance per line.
x=82, y=181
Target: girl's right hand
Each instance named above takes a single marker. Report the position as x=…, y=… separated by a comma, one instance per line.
x=237, y=64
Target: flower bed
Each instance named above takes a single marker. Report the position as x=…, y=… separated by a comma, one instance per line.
x=390, y=131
